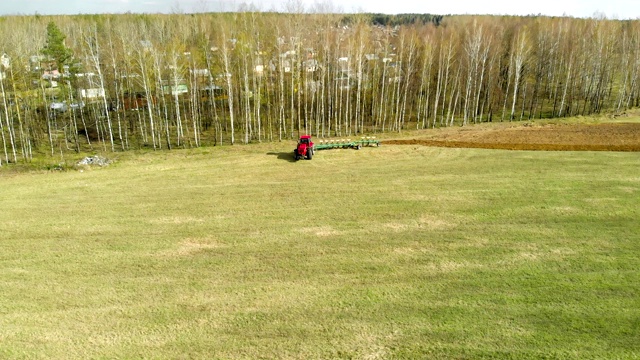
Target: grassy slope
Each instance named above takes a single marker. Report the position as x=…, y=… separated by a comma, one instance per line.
x=395, y=252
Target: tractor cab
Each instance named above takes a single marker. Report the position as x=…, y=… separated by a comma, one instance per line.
x=304, y=148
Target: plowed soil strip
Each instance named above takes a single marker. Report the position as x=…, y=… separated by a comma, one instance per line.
x=551, y=137
x=503, y=146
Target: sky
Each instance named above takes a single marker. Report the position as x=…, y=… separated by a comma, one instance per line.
x=613, y=9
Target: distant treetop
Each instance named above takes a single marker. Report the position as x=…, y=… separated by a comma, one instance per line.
x=405, y=19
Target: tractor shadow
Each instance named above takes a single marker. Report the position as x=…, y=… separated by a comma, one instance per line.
x=287, y=156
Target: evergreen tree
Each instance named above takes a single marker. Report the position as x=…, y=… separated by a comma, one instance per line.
x=55, y=48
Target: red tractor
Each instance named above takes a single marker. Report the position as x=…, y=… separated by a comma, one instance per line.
x=305, y=148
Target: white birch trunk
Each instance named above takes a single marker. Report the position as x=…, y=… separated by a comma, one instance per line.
x=227, y=75
x=8, y=121
x=94, y=53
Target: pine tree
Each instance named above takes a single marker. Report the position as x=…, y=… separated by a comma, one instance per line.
x=55, y=48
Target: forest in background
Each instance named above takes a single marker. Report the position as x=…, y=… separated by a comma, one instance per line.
x=130, y=81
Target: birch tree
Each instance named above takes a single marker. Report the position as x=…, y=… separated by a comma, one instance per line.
x=9, y=124
x=518, y=60
x=225, y=53
x=93, y=49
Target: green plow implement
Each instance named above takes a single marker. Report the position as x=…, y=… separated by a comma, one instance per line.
x=346, y=143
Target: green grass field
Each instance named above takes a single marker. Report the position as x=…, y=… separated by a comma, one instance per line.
x=397, y=252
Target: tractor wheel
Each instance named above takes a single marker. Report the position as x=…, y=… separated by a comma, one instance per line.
x=309, y=154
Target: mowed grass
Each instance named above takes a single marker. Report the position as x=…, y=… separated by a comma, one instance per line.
x=383, y=253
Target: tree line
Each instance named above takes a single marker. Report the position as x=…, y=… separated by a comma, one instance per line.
x=118, y=82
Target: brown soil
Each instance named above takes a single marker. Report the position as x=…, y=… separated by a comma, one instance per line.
x=569, y=137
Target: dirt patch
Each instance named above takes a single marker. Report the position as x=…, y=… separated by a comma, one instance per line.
x=321, y=231
x=552, y=137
